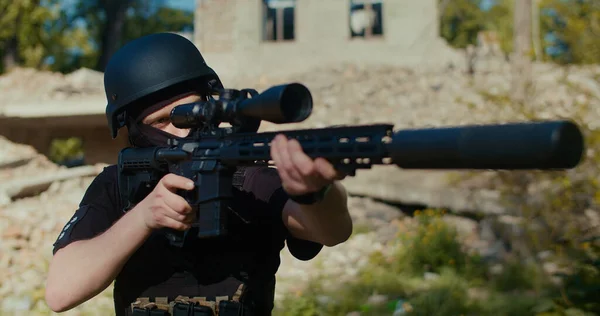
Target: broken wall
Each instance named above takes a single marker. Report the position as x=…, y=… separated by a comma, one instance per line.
x=98, y=146
x=230, y=34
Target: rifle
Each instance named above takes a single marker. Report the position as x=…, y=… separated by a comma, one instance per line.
x=210, y=154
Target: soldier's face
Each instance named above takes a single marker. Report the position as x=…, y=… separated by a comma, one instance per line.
x=160, y=118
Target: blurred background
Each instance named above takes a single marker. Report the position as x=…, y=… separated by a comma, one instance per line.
x=424, y=242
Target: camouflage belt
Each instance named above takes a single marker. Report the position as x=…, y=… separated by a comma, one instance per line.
x=143, y=305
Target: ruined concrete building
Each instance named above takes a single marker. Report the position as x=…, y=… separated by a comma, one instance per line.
x=251, y=37
x=38, y=107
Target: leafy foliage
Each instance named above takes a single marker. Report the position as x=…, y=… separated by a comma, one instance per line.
x=461, y=21
x=44, y=34
x=66, y=150
x=432, y=247
x=499, y=18
x=162, y=18
x=575, y=25
x=21, y=32
x=569, y=29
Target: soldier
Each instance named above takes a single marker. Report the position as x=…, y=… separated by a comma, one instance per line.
x=300, y=203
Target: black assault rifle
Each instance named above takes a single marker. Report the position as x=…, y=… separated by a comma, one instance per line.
x=210, y=154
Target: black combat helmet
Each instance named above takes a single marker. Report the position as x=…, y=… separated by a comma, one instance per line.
x=148, y=65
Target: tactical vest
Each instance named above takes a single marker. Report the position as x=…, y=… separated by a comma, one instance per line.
x=195, y=306
x=216, y=306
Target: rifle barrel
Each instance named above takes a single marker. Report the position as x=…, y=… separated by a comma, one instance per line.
x=531, y=145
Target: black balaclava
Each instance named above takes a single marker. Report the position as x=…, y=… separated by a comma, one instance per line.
x=142, y=135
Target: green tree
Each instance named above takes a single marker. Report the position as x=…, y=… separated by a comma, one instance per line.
x=31, y=31
x=67, y=43
x=21, y=32
x=461, y=22
x=162, y=19
x=575, y=24
x=104, y=20
x=112, y=23
x=499, y=18
x=44, y=34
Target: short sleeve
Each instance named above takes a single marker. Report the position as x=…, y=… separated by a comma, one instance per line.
x=97, y=211
x=265, y=184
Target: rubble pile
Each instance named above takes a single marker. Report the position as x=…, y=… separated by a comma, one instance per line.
x=408, y=98
x=26, y=85
x=33, y=210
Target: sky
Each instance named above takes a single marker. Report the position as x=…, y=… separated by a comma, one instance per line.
x=486, y=4
x=187, y=5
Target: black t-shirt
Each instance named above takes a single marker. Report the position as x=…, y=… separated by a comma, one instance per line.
x=204, y=268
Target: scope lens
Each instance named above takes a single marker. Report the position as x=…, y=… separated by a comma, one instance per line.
x=296, y=103
x=189, y=115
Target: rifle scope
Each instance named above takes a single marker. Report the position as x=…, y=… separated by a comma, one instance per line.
x=287, y=103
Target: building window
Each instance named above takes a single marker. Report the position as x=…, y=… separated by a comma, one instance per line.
x=366, y=18
x=278, y=20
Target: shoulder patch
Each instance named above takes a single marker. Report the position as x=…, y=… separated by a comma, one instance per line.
x=239, y=176
x=68, y=228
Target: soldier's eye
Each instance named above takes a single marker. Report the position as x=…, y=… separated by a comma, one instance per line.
x=161, y=121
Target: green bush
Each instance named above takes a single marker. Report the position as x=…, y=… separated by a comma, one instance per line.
x=508, y=304
x=516, y=275
x=306, y=305
x=432, y=247
x=64, y=150
x=443, y=301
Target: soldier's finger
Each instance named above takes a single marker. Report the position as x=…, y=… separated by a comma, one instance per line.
x=274, y=151
x=175, y=224
x=169, y=213
x=301, y=161
x=173, y=182
x=190, y=218
x=177, y=203
x=326, y=169
x=287, y=163
x=309, y=175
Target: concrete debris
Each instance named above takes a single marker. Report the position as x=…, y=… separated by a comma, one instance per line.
x=37, y=198
x=30, y=86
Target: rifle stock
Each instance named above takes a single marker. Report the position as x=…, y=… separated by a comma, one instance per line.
x=210, y=155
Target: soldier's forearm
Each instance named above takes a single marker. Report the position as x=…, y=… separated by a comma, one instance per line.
x=329, y=219
x=85, y=268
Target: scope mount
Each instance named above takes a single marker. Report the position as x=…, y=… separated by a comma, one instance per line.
x=205, y=117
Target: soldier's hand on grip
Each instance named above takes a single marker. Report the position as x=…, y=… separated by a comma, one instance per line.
x=164, y=208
